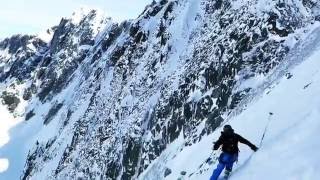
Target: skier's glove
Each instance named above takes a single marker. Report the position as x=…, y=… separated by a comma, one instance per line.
x=254, y=148
x=215, y=147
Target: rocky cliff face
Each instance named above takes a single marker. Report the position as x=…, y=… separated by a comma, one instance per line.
x=108, y=98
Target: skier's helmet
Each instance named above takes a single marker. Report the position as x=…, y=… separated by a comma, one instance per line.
x=227, y=128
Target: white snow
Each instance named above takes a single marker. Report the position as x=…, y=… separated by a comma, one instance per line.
x=181, y=31
x=291, y=148
x=156, y=170
x=7, y=121
x=14, y=146
x=252, y=82
x=79, y=14
x=4, y=164
x=4, y=54
x=46, y=35
x=96, y=23
x=195, y=96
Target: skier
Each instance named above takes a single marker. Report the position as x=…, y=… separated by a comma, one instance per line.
x=229, y=141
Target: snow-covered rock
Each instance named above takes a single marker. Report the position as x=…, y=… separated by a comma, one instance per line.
x=101, y=100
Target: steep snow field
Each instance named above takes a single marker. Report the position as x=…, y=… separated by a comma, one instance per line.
x=6, y=122
x=17, y=136
x=290, y=110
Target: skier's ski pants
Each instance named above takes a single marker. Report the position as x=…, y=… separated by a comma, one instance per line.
x=226, y=160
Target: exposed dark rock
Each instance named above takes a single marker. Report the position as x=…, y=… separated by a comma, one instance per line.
x=134, y=30
x=111, y=37
x=59, y=36
x=29, y=115
x=117, y=53
x=46, y=89
x=168, y=10
x=309, y=3
x=274, y=29
x=15, y=42
x=46, y=61
x=218, y=4
x=289, y=75
x=29, y=91
x=52, y=112
x=69, y=114
x=130, y=158
x=214, y=121
x=167, y=172
x=11, y=100
x=155, y=10
x=96, y=56
x=237, y=97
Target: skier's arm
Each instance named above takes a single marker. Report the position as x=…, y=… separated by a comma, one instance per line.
x=245, y=141
x=217, y=144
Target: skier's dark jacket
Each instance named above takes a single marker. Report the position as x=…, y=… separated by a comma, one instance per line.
x=229, y=142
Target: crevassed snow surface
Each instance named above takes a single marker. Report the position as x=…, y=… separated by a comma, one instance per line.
x=291, y=147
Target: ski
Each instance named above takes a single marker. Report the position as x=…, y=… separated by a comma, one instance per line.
x=207, y=164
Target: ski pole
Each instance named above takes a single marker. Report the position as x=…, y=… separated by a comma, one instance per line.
x=266, y=128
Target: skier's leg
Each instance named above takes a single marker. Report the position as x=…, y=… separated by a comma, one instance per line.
x=222, y=159
x=229, y=166
x=216, y=173
x=232, y=159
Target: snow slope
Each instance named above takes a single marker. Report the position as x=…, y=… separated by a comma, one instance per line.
x=290, y=149
x=6, y=122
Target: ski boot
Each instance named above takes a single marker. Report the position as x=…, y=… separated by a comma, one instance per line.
x=227, y=174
